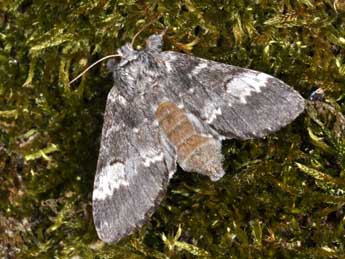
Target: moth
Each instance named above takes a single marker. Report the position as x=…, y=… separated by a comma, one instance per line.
x=168, y=108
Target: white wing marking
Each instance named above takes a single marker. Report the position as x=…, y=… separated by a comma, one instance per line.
x=213, y=115
x=199, y=67
x=122, y=100
x=110, y=178
x=210, y=112
x=245, y=83
x=150, y=158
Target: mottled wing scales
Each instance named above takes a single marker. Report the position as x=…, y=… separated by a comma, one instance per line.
x=235, y=102
x=195, y=152
x=132, y=172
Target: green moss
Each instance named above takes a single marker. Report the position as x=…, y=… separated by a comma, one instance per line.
x=283, y=196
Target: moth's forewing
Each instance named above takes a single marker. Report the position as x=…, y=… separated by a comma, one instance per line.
x=132, y=173
x=236, y=102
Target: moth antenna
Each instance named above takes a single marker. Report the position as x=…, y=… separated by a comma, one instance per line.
x=164, y=31
x=92, y=65
x=144, y=28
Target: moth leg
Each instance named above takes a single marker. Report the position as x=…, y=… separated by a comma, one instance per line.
x=196, y=152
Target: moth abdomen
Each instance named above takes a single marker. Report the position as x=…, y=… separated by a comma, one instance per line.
x=195, y=151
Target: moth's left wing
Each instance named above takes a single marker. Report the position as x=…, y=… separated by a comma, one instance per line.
x=132, y=172
x=235, y=102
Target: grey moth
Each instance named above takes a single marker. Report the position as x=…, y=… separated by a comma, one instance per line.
x=166, y=108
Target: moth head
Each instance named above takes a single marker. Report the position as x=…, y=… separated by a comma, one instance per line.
x=127, y=54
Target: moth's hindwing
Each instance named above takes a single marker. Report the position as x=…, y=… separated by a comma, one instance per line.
x=132, y=173
x=196, y=152
x=236, y=102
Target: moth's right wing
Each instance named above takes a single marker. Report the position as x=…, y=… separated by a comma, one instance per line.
x=132, y=172
x=235, y=102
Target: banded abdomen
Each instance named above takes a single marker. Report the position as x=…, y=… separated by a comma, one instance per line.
x=196, y=152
